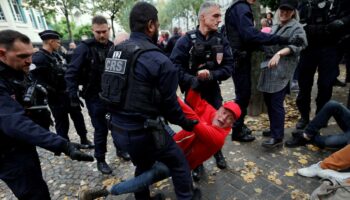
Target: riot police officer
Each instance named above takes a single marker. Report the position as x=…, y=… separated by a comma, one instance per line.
x=48, y=69
x=204, y=58
x=326, y=25
x=86, y=68
x=244, y=38
x=20, y=165
x=139, y=83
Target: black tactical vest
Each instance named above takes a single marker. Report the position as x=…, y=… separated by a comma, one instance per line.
x=57, y=69
x=316, y=12
x=90, y=74
x=120, y=88
x=32, y=96
x=233, y=36
x=205, y=54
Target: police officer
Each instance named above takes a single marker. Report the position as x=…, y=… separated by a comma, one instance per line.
x=19, y=160
x=139, y=83
x=48, y=69
x=204, y=59
x=326, y=22
x=172, y=41
x=327, y=25
x=244, y=38
x=86, y=68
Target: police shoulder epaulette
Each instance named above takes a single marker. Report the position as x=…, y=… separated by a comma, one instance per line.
x=192, y=35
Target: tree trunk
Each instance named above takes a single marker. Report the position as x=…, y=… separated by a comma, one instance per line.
x=112, y=24
x=256, y=104
x=66, y=15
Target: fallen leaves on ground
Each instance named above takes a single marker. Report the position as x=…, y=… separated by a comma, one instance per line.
x=250, y=171
x=299, y=195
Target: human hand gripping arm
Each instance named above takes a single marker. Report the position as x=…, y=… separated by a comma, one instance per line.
x=276, y=58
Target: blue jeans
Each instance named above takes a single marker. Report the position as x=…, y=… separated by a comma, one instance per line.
x=342, y=116
x=158, y=172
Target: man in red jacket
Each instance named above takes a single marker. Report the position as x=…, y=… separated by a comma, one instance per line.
x=207, y=137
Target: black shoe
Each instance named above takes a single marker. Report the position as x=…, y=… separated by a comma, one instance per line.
x=302, y=123
x=272, y=143
x=158, y=196
x=198, y=173
x=86, y=143
x=338, y=83
x=296, y=141
x=242, y=138
x=246, y=130
x=197, y=194
x=103, y=167
x=90, y=194
x=220, y=160
x=266, y=133
x=123, y=154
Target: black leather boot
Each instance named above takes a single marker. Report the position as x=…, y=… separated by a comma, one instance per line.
x=124, y=155
x=103, y=167
x=198, y=173
x=220, y=160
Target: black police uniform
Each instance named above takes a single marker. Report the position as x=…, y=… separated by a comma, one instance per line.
x=49, y=71
x=194, y=52
x=86, y=68
x=243, y=38
x=171, y=44
x=140, y=87
x=326, y=23
x=19, y=161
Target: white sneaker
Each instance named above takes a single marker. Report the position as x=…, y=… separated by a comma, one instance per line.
x=310, y=171
x=329, y=173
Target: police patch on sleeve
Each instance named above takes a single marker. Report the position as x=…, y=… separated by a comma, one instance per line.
x=114, y=65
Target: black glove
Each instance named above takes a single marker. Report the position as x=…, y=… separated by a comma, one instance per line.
x=75, y=101
x=72, y=150
x=335, y=26
x=283, y=40
x=188, y=124
x=296, y=41
x=195, y=83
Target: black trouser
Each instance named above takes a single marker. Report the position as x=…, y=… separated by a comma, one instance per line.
x=140, y=145
x=242, y=82
x=61, y=110
x=21, y=171
x=325, y=60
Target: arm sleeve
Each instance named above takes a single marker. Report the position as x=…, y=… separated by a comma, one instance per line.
x=167, y=84
x=225, y=70
x=41, y=73
x=14, y=124
x=199, y=105
x=71, y=76
x=180, y=56
x=299, y=32
x=242, y=16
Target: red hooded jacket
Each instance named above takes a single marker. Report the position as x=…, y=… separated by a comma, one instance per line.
x=205, y=139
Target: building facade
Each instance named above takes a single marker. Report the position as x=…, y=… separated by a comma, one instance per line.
x=16, y=15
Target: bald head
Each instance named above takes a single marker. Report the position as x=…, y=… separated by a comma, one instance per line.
x=121, y=37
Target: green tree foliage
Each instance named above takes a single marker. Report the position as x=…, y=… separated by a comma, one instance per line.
x=117, y=10
x=273, y=4
x=63, y=6
x=168, y=10
x=79, y=31
x=123, y=15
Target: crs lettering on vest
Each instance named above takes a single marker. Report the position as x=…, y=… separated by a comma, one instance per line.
x=115, y=64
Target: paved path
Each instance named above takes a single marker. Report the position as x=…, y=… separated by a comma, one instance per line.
x=253, y=172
